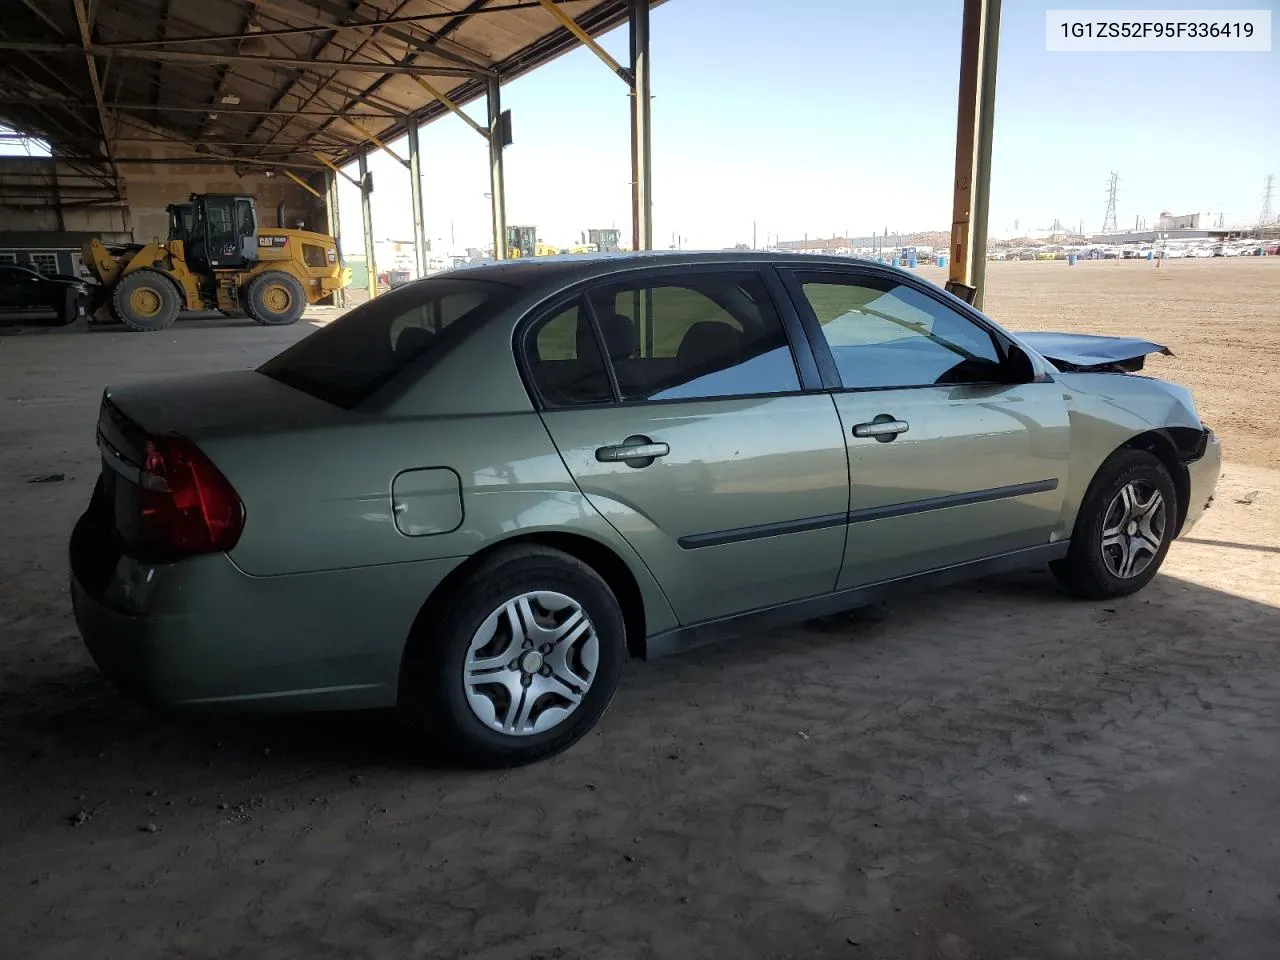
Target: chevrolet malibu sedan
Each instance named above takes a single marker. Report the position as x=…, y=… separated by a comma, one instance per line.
x=474, y=497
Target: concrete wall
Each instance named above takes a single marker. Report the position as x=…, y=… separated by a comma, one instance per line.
x=31, y=186
x=46, y=195
x=172, y=175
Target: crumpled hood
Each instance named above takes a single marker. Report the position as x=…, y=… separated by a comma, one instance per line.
x=1083, y=351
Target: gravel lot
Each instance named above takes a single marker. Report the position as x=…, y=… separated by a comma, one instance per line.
x=990, y=771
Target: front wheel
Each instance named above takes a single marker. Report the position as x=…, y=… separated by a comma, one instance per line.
x=1123, y=530
x=275, y=298
x=519, y=664
x=146, y=300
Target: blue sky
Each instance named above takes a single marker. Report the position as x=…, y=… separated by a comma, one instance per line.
x=817, y=116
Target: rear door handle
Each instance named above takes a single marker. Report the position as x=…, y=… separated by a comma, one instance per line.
x=884, y=428
x=635, y=451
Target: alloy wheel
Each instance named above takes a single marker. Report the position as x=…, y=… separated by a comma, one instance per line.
x=1133, y=529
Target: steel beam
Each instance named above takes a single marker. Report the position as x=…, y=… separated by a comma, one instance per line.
x=251, y=111
x=334, y=168
x=384, y=24
x=453, y=107
x=986, y=133
x=447, y=49
x=587, y=40
x=206, y=159
x=49, y=21
x=313, y=52
x=86, y=41
x=291, y=63
x=415, y=196
x=366, y=213
x=641, y=153
x=333, y=221
x=370, y=135
x=460, y=17
x=975, y=117
x=303, y=184
x=497, y=188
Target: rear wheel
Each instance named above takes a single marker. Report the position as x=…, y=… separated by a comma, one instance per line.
x=275, y=298
x=1123, y=530
x=520, y=663
x=146, y=300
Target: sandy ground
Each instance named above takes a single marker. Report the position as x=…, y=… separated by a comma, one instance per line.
x=990, y=771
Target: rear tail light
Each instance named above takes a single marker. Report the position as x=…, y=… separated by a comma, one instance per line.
x=187, y=506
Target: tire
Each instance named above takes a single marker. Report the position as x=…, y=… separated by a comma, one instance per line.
x=71, y=308
x=146, y=300
x=275, y=298
x=1095, y=567
x=471, y=626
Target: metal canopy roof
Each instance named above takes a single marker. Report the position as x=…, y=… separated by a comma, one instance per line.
x=264, y=81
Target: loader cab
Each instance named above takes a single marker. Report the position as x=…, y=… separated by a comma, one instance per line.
x=224, y=232
x=180, y=218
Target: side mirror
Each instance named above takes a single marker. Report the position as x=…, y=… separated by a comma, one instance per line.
x=1018, y=367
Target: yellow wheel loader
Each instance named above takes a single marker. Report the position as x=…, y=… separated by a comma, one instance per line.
x=216, y=258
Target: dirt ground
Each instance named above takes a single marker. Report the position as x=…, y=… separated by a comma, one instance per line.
x=990, y=771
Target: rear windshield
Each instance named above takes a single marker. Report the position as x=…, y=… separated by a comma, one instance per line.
x=352, y=357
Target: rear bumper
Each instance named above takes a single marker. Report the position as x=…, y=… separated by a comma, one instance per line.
x=201, y=633
x=1202, y=475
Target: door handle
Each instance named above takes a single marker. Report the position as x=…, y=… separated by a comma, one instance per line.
x=635, y=451
x=884, y=428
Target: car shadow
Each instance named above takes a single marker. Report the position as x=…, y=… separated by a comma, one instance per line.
x=70, y=726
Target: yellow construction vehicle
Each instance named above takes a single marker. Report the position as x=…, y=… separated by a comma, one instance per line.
x=216, y=258
x=522, y=242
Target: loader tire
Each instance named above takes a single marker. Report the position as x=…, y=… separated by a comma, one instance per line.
x=146, y=300
x=275, y=298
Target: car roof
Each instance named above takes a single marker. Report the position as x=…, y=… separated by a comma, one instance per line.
x=565, y=268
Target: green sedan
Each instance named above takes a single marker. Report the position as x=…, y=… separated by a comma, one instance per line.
x=475, y=497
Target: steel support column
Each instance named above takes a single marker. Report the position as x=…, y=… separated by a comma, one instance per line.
x=420, y=248
x=333, y=220
x=366, y=210
x=975, y=121
x=496, y=186
x=641, y=179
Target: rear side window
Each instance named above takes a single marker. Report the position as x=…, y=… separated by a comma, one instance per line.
x=346, y=361
x=564, y=359
x=695, y=336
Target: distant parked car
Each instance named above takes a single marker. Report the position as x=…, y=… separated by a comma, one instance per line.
x=22, y=290
x=473, y=497
x=1271, y=249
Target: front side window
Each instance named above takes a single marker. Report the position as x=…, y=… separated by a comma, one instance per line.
x=345, y=362
x=244, y=218
x=694, y=336
x=884, y=334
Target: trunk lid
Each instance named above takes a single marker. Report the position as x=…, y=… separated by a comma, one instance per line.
x=205, y=409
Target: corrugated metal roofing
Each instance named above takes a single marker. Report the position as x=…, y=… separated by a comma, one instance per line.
x=268, y=79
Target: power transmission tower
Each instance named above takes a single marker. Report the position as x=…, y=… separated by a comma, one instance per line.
x=1265, y=217
x=1109, y=219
